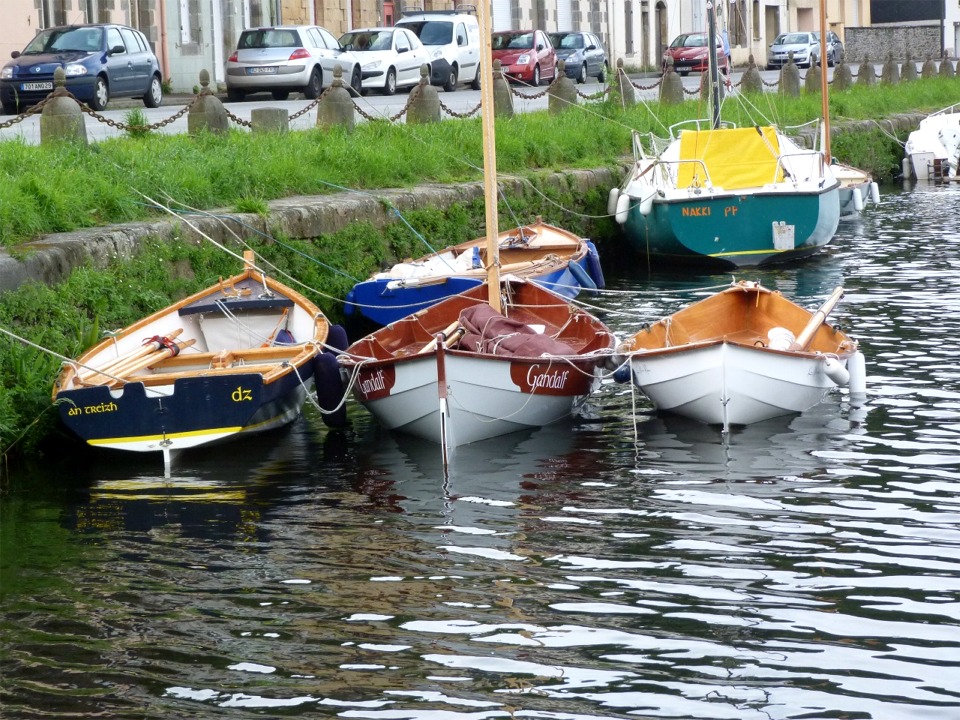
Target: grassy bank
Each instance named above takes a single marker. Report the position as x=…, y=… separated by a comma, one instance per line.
x=53, y=189
x=50, y=189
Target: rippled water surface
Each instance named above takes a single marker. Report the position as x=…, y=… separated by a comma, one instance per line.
x=620, y=565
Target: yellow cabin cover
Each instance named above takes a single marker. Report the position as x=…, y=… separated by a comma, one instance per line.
x=735, y=158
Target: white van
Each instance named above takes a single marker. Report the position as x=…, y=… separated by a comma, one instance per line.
x=453, y=39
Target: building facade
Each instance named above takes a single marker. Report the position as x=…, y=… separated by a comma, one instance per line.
x=191, y=35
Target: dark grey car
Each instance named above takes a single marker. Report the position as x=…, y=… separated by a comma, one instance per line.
x=583, y=54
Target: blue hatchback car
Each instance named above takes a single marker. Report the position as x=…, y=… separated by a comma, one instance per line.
x=100, y=62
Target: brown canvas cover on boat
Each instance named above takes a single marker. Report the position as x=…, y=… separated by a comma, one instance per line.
x=735, y=158
x=490, y=332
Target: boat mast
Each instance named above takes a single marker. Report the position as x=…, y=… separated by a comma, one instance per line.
x=489, y=155
x=714, y=68
x=823, y=82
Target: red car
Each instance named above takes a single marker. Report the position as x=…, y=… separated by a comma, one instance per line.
x=689, y=52
x=525, y=55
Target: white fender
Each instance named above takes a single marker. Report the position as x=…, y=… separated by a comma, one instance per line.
x=612, y=201
x=907, y=168
x=646, y=205
x=857, y=369
x=835, y=370
x=857, y=200
x=875, y=193
x=623, y=208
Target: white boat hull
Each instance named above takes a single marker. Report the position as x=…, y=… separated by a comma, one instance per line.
x=726, y=384
x=482, y=397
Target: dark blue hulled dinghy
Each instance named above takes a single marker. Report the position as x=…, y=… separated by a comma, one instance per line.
x=238, y=357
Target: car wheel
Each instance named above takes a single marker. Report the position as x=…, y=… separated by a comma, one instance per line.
x=536, y=76
x=234, y=95
x=280, y=94
x=154, y=95
x=9, y=108
x=451, y=83
x=356, y=80
x=475, y=85
x=683, y=73
x=101, y=94
x=390, y=85
x=314, y=85
x=582, y=75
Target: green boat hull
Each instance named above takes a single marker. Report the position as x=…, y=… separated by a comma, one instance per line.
x=735, y=229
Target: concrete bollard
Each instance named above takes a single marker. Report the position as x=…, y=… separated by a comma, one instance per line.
x=929, y=69
x=628, y=95
x=336, y=106
x=671, y=86
x=562, y=93
x=946, y=67
x=908, y=70
x=752, y=80
x=811, y=83
x=891, y=73
x=790, y=78
x=207, y=113
x=705, y=86
x=842, y=77
x=424, y=102
x=61, y=118
x=866, y=75
x=269, y=119
x=502, y=94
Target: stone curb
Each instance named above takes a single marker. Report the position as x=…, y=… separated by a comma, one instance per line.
x=51, y=259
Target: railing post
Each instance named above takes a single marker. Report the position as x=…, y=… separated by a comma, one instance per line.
x=61, y=118
x=207, y=113
x=336, y=104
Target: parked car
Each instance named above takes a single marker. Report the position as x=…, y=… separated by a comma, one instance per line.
x=390, y=57
x=582, y=53
x=689, y=51
x=835, y=52
x=453, y=41
x=805, y=47
x=525, y=55
x=285, y=59
x=100, y=62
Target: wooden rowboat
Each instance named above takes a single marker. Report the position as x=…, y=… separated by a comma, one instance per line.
x=556, y=258
x=459, y=371
x=238, y=357
x=743, y=355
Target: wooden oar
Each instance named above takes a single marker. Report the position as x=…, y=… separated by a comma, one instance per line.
x=448, y=333
x=123, y=374
x=806, y=335
x=148, y=346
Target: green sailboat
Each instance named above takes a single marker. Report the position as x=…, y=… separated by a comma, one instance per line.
x=727, y=196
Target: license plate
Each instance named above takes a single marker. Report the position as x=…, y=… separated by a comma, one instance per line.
x=36, y=86
x=271, y=70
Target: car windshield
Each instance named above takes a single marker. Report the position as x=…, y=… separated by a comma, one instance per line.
x=690, y=41
x=268, y=38
x=363, y=40
x=436, y=33
x=567, y=41
x=793, y=39
x=85, y=39
x=513, y=41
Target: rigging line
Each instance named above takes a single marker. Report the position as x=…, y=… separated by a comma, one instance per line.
x=263, y=234
x=197, y=230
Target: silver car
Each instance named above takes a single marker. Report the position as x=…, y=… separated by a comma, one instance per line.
x=286, y=59
x=805, y=47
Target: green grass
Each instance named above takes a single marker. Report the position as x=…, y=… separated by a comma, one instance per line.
x=46, y=189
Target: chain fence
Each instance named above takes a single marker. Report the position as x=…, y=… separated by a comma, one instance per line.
x=355, y=94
